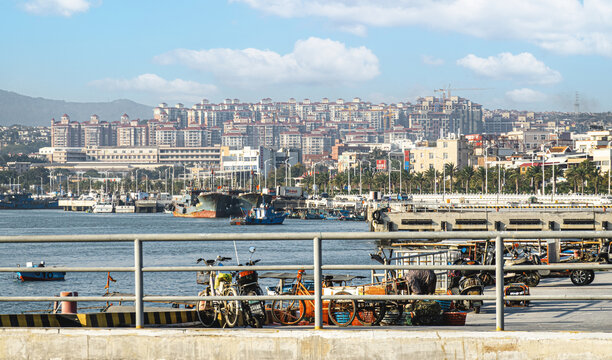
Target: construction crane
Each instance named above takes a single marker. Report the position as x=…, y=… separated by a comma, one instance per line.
x=448, y=91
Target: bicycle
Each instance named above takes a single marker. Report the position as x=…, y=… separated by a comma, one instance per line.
x=218, y=285
x=290, y=312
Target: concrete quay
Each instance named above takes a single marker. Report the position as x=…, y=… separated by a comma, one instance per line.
x=557, y=330
x=285, y=344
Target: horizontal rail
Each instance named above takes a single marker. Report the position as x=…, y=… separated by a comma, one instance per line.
x=139, y=298
x=302, y=297
x=507, y=268
x=586, y=234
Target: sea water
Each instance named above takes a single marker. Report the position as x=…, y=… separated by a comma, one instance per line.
x=57, y=222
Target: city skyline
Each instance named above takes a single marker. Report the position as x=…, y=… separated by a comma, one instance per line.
x=536, y=59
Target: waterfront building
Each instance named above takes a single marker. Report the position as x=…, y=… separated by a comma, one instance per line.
x=448, y=150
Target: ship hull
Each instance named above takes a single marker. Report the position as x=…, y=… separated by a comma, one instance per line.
x=41, y=276
x=210, y=205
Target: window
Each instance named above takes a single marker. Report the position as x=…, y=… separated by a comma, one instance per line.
x=431, y=155
x=445, y=156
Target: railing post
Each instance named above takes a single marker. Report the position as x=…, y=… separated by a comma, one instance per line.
x=138, y=284
x=318, y=305
x=499, y=283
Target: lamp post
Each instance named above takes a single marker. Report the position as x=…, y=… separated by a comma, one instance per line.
x=266, y=172
x=543, y=176
x=287, y=171
x=389, y=172
x=486, y=169
x=609, y=164
x=136, y=182
x=369, y=166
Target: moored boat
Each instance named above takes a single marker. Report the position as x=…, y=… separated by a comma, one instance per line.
x=25, y=201
x=208, y=205
x=103, y=208
x=40, y=275
x=262, y=215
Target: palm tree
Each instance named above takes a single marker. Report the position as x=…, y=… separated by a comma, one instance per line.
x=467, y=173
x=515, y=175
x=481, y=176
x=451, y=171
x=419, y=179
x=572, y=175
x=534, y=173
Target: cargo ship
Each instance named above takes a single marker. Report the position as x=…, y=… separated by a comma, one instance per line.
x=26, y=201
x=208, y=205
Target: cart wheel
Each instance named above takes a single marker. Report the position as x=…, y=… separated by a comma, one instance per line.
x=532, y=278
x=288, y=312
x=580, y=277
x=370, y=312
x=341, y=312
x=591, y=277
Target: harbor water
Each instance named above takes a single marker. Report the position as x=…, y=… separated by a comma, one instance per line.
x=52, y=222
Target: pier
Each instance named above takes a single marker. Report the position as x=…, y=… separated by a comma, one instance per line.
x=521, y=332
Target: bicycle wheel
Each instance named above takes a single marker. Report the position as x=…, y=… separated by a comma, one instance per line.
x=207, y=312
x=288, y=312
x=370, y=312
x=231, y=308
x=341, y=312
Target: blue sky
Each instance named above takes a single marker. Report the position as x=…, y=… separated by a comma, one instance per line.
x=520, y=54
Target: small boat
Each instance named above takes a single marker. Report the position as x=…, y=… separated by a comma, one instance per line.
x=40, y=276
x=125, y=208
x=262, y=215
x=103, y=208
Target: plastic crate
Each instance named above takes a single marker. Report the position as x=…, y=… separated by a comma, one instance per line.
x=454, y=318
x=445, y=305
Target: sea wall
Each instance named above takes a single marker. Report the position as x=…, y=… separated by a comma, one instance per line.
x=375, y=343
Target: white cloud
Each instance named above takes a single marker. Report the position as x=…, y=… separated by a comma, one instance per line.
x=152, y=83
x=523, y=67
x=56, y=7
x=564, y=26
x=525, y=95
x=313, y=61
x=430, y=60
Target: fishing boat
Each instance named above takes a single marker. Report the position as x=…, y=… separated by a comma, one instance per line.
x=39, y=276
x=262, y=215
x=103, y=207
x=208, y=205
x=25, y=201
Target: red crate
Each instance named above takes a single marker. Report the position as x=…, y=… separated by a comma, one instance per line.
x=454, y=318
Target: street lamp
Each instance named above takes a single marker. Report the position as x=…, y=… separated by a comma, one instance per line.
x=609, y=165
x=287, y=171
x=266, y=172
x=486, y=169
x=369, y=166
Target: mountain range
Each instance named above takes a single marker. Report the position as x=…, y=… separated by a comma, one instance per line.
x=25, y=110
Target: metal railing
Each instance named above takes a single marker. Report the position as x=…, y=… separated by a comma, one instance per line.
x=317, y=267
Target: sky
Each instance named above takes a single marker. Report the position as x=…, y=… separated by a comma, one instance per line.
x=537, y=55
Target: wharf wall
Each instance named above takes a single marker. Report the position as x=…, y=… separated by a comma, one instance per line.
x=298, y=344
x=494, y=219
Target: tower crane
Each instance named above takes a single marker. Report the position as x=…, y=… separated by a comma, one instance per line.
x=448, y=91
